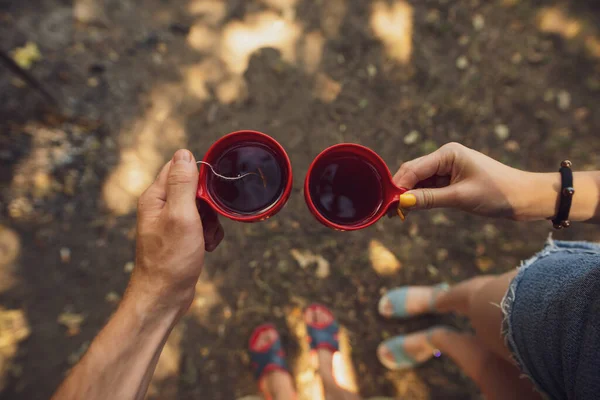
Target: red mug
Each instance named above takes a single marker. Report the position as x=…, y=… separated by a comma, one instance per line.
x=231, y=141
x=373, y=184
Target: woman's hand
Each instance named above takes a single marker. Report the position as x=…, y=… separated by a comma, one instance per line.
x=455, y=176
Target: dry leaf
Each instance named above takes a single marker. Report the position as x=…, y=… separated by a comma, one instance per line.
x=72, y=321
x=383, y=261
x=25, y=56
x=326, y=89
x=484, y=263
x=304, y=258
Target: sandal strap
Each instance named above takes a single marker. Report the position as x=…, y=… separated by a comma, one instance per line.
x=273, y=358
x=324, y=337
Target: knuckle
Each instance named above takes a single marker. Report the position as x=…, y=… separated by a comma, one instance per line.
x=180, y=218
x=428, y=198
x=453, y=147
x=179, y=176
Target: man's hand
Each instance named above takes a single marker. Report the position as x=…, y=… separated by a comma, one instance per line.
x=171, y=242
x=171, y=237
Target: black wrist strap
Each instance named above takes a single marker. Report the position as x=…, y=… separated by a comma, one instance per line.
x=566, y=196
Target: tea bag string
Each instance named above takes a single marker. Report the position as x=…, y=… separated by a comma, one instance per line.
x=227, y=178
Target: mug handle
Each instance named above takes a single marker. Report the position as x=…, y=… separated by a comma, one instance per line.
x=394, y=204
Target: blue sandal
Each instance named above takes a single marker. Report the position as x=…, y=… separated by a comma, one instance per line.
x=397, y=298
x=323, y=336
x=402, y=359
x=268, y=358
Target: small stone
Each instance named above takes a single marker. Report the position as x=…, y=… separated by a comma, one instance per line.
x=464, y=40
x=112, y=297
x=65, y=255
x=549, y=95
x=363, y=103
x=440, y=218
x=343, y=128
x=432, y=270
x=490, y=231
x=128, y=268
x=563, y=100
x=277, y=312
x=502, y=132
x=432, y=16
x=441, y=255
x=462, y=62
x=412, y=138
x=516, y=58
x=371, y=70
x=512, y=145
x=93, y=82
x=478, y=22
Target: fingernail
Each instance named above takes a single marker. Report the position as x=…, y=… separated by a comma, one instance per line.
x=182, y=156
x=408, y=200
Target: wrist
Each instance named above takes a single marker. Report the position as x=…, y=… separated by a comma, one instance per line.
x=537, y=196
x=155, y=299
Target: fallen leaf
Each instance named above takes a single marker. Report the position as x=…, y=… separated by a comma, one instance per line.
x=484, y=263
x=13, y=329
x=27, y=55
x=304, y=258
x=323, y=269
x=65, y=255
x=383, y=261
x=326, y=89
x=72, y=321
x=412, y=138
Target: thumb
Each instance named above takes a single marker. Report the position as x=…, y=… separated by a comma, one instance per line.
x=182, y=181
x=422, y=199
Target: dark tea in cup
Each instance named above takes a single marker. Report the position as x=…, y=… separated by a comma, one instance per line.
x=345, y=189
x=349, y=187
x=263, y=176
x=255, y=192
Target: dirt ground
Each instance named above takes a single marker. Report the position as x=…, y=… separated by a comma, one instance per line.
x=516, y=79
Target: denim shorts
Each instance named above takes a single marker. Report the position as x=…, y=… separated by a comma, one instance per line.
x=552, y=320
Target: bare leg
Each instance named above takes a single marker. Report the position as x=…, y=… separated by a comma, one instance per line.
x=279, y=386
x=497, y=378
x=332, y=390
x=479, y=299
x=330, y=386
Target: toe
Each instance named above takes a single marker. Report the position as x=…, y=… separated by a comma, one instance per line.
x=385, y=307
x=386, y=357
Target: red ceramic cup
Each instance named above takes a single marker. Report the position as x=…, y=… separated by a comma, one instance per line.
x=388, y=197
x=235, y=139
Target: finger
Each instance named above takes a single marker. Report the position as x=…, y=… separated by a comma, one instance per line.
x=439, y=162
x=182, y=182
x=156, y=194
x=421, y=199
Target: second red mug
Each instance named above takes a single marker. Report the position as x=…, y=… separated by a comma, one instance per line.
x=349, y=187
